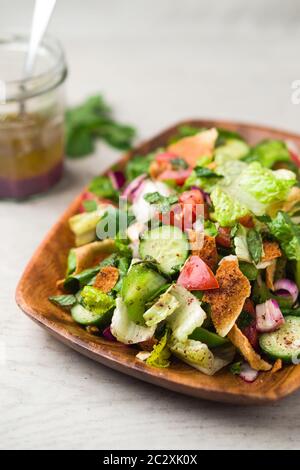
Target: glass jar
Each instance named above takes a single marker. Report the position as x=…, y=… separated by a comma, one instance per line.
x=31, y=117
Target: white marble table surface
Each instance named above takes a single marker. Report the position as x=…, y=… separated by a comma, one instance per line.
x=157, y=62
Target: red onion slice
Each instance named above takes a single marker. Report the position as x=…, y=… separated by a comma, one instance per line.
x=132, y=188
x=286, y=287
x=268, y=316
x=108, y=334
x=247, y=373
x=117, y=178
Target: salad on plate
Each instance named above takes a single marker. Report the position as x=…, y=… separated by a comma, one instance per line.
x=192, y=252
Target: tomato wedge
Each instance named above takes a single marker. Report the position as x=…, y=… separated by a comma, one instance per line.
x=295, y=157
x=179, y=176
x=185, y=212
x=165, y=157
x=193, y=196
x=196, y=275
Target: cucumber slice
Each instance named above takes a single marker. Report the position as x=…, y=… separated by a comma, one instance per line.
x=168, y=245
x=208, y=337
x=85, y=317
x=138, y=287
x=283, y=343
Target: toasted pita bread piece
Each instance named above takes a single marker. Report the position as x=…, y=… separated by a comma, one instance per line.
x=276, y=366
x=60, y=284
x=270, y=274
x=91, y=254
x=271, y=250
x=191, y=148
x=227, y=301
x=208, y=252
x=149, y=344
x=240, y=341
x=106, y=278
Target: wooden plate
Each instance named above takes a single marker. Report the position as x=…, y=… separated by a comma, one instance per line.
x=48, y=265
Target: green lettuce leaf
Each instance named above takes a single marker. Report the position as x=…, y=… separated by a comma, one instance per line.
x=226, y=209
x=269, y=152
x=125, y=330
x=233, y=149
x=255, y=186
x=210, y=228
x=205, y=183
x=197, y=355
x=187, y=316
x=161, y=353
x=265, y=185
x=288, y=235
x=161, y=309
x=241, y=245
x=96, y=301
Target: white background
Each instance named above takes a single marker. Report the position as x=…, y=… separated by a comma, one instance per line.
x=157, y=62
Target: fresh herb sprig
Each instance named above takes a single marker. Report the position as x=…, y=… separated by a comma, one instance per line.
x=162, y=203
x=93, y=120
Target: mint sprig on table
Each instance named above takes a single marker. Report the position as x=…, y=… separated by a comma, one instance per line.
x=91, y=121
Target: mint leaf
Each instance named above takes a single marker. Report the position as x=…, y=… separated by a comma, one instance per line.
x=93, y=120
x=203, y=172
x=288, y=235
x=244, y=319
x=103, y=187
x=162, y=203
x=138, y=165
x=179, y=164
x=64, y=301
x=255, y=246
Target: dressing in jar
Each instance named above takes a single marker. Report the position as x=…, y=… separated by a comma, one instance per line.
x=31, y=118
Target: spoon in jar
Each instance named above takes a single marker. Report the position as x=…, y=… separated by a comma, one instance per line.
x=42, y=13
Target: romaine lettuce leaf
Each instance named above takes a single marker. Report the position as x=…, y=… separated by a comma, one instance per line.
x=96, y=301
x=161, y=309
x=205, y=183
x=233, y=149
x=197, y=355
x=187, y=316
x=226, y=209
x=125, y=330
x=241, y=245
x=161, y=353
x=288, y=235
x=269, y=152
x=265, y=185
